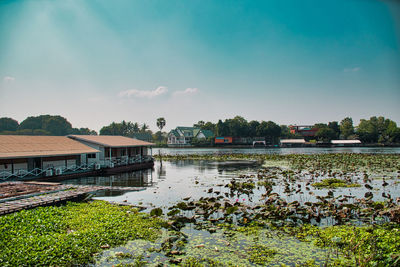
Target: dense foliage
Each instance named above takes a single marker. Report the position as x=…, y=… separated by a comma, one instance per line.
x=375, y=130
x=69, y=235
x=124, y=128
x=41, y=125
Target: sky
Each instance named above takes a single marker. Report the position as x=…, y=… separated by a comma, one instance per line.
x=290, y=61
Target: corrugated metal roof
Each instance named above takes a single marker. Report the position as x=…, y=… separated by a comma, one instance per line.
x=111, y=140
x=293, y=141
x=21, y=146
x=346, y=142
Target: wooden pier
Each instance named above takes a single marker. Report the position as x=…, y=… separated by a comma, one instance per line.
x=59, y=194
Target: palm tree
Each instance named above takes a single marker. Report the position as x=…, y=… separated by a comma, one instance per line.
x=144, y=128
x=161, y=123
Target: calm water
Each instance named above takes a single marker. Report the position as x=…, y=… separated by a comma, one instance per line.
x=281, y=151
x=167, y=184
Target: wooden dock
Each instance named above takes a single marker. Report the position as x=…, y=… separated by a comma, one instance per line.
x=68, y=192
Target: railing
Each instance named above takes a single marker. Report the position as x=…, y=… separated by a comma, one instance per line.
x=126, y=161
x=51, y=171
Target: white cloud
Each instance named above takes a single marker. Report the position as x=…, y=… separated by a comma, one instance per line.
x=187, y=91
x=352, y=69
x=143, y=93
x=8, y=79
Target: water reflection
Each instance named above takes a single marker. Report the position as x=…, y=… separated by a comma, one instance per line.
x=143, y=178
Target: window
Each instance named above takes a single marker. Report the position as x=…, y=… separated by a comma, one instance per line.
x=91, y=156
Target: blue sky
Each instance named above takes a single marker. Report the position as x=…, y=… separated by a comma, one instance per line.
x=292, y=62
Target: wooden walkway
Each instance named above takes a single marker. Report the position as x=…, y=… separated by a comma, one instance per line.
x=69, y=192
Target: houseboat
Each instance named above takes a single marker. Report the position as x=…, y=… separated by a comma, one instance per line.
x=34, y=157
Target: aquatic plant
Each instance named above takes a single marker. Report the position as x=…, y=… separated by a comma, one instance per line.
x=334, y=183
x=71, y=234
x=373, y=245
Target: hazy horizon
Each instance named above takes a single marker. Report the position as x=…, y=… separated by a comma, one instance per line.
x=94, y=62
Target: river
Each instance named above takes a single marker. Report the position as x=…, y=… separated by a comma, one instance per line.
x=165, y=185
x=282, y=151
x=174, y=181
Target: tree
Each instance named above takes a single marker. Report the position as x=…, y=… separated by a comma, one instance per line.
x=161, y=123
x=222, y=129
x=335, y=128
x=55, y=125
x=83, y=131
x=253, y=128
x=238, y=126
x=325, y=134
x=199, y=124
x=374, y=130
x=209, y=126
x=144, y=128
x=8, y=124
x=346, y=128
x=270, y=130
x=367, y=132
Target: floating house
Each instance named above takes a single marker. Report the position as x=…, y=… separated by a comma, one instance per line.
x=182, y=136
x=72, y=156
x=117, y=150
x=345, y=142
x=25, y=156
x=292, y=142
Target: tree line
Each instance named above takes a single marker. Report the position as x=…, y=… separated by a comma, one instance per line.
x=373, y=130
x=41, y=125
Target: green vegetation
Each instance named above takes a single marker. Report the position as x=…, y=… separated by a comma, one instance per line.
x=373, y=245
x=375, y=130
x=41, y=125
x=71, y=234
x=333, y=183
x=316, y=163
x=129, y=129
x=261, y=254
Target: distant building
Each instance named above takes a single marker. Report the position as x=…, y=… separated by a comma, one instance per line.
x=182, y=136
x=303, y=130
x=292, y=142
x=345, y=142
x=219, y=140
x=228, y=140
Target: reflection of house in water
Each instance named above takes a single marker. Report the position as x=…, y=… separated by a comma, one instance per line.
x=161, y=172
x=142, y=178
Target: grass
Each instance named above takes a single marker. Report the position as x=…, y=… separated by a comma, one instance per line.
x=71, y=234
